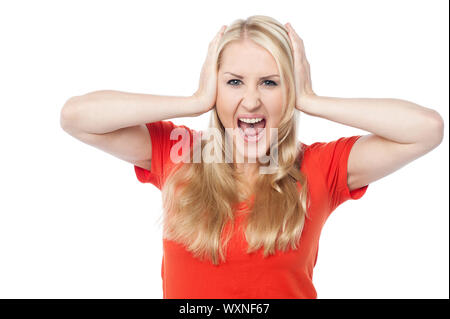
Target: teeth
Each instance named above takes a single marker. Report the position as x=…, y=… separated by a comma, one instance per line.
x=255, y=120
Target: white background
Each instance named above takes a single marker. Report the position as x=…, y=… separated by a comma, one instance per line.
x=76, y=223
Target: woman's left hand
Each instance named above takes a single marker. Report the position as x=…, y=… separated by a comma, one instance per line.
x=302, y=75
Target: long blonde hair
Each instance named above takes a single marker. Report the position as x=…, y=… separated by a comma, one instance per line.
x=199, y=198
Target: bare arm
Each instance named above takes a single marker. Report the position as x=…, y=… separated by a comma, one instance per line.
x=102, y=112
x=114, y=121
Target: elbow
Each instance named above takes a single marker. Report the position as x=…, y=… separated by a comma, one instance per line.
x=437, y=127
x=67, y=114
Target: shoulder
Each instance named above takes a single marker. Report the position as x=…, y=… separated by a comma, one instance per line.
x=310, y=156
x=330, y=148
x=306, y=150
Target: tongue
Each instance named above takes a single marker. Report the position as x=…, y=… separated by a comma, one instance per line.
x=252, y=131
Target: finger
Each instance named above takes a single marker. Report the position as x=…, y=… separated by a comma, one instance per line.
x=297, y=44
x=221, y=31
x=293, y=33
x=218, y=36
x=212, y=48
x=289, y=28
x=291, y=40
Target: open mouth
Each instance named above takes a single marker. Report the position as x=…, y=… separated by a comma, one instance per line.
x=251, y=129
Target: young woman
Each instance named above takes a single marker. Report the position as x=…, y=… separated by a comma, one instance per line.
x=231, y=231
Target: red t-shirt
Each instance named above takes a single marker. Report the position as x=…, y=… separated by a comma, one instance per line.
x=251, y=276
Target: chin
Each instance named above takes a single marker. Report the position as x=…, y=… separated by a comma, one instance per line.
x=251, y=152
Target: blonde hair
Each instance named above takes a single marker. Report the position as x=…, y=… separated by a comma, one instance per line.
x=199, y=198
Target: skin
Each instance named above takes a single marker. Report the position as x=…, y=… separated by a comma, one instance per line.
x=249, y=95
x=400, y=131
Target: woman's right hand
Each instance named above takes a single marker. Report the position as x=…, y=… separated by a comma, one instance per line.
x=207, y=91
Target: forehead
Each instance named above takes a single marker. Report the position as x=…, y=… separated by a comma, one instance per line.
x=248, y=58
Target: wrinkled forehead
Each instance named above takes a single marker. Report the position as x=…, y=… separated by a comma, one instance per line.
x=247, y=59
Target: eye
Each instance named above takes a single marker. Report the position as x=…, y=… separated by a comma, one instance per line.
x=272, y=83
x=229, y=82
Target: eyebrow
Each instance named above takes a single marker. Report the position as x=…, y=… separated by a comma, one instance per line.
x=241, y=77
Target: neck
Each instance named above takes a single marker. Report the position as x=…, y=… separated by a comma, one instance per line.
x=247, y=174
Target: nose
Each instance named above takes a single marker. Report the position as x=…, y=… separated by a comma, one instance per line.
x=251, y=100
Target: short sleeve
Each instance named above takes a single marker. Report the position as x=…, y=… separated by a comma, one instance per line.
x=332, y=157
x=161, y=163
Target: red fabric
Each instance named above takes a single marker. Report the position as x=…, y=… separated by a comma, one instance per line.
x=283, y=275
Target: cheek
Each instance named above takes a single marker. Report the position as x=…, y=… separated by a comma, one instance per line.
x=225, y=114
x=225, y=111
x=275, y=113
x=227, y=99
x=276, y=99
